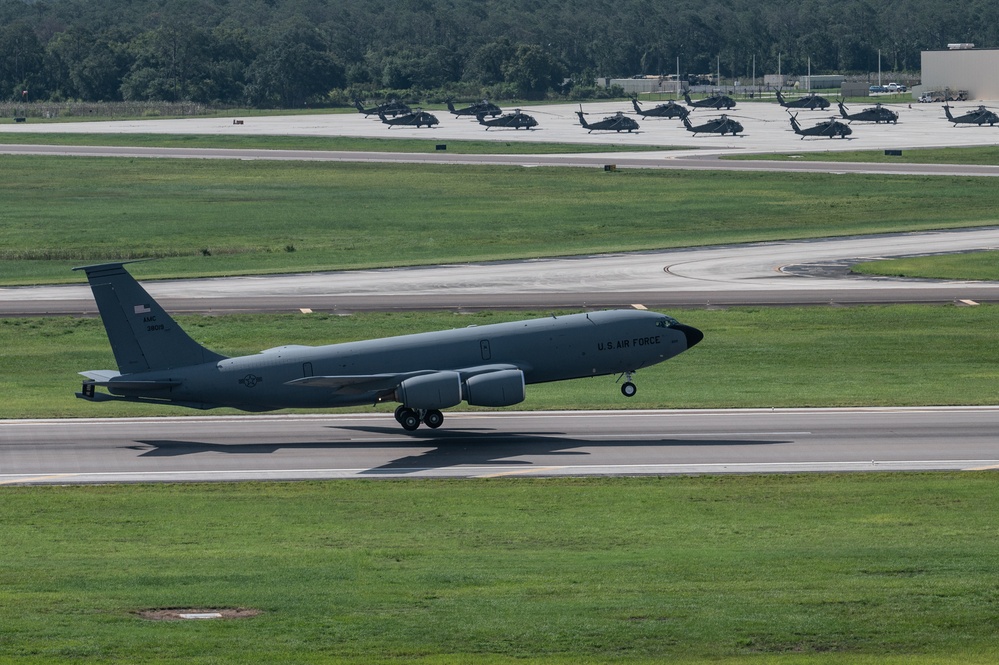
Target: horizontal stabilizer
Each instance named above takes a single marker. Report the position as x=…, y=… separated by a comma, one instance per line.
x=100, y=374
x=138, y=385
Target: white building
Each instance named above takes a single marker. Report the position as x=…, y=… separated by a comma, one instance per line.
x=961, y=67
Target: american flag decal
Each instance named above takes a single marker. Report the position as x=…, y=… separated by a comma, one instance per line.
x=142, y=309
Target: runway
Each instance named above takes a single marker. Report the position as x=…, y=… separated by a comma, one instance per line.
x=493, y=445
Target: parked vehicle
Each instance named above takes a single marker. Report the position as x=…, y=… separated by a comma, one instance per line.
x=877, y=88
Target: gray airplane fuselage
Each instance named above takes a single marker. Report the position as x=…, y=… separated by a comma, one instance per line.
x=546, y=349
x=482, y=365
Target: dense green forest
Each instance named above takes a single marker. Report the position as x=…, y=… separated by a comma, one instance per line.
x=289, y=53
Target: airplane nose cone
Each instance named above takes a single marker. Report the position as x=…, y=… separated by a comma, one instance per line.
x=692, y=334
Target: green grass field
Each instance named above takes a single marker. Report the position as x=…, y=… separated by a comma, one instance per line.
x=902, y=355
x=210, y=217
x=863, y=568
x=982, y=266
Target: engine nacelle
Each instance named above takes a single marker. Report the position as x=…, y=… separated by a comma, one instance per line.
x=502, y=388
x=439, y=390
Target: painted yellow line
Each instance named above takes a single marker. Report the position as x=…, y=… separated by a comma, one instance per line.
x=639, y=306
x=969, y=302
x=35, y=479
x=994, y=467
x=520, y=471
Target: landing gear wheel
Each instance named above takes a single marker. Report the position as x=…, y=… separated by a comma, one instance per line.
x=629, y=389
x=433, y=419
x=399, y=410
x=410, y=420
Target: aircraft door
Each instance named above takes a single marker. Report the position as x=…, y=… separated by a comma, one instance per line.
x=484, y=349
x=306, y=369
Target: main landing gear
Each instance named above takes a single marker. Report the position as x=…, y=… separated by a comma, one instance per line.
x=410, y=419
x=628, y=389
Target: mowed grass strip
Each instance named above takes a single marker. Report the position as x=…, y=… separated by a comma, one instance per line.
x=209, y=217
x=982, y=266
x=782, y=357
x=867, y=568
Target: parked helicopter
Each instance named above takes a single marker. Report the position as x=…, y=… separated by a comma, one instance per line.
x=716, y=102
x=811, y=102
x=485, y=107
x=415, y=118
x=618, y=122
x=392, y=107
x=721, y=125
x=876, y=113
x=517, y=119
x=669, y=110
x=831, y=127
x=979, y=117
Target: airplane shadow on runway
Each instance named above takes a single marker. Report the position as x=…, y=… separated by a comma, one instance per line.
x=447, y=448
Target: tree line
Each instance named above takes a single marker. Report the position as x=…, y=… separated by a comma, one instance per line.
x=290, y=53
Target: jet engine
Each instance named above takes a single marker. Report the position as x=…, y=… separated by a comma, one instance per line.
x=439, y=390
x=502, y=388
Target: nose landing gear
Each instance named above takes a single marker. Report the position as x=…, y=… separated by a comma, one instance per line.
x=628, y=389
x=410, y=419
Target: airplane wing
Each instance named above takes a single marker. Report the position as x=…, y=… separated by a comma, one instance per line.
x=356, y=383
x=364, y=383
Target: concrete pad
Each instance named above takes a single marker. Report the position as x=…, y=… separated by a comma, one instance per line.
x=767, y=129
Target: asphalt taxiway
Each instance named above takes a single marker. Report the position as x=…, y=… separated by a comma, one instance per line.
x=771, y=273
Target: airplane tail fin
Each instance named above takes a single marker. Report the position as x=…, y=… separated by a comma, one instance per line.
x=450, y=106
x=947, y=111
x=634, y=102
x=143, y=337
x=582, y=120
x=842, y=110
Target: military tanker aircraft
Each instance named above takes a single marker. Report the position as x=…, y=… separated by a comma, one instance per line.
x=490, y=365
x=415, y=118
x=485, y=107
x=392, y=107
x=831, y=128
x=722, y=125
x=979, y=116
x=517, y=120
x=669, y=110
x=716, y=102
x=618, y=122
x=876, y=113
x=810, y=102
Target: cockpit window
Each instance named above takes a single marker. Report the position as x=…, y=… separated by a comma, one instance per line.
x=667, y=322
